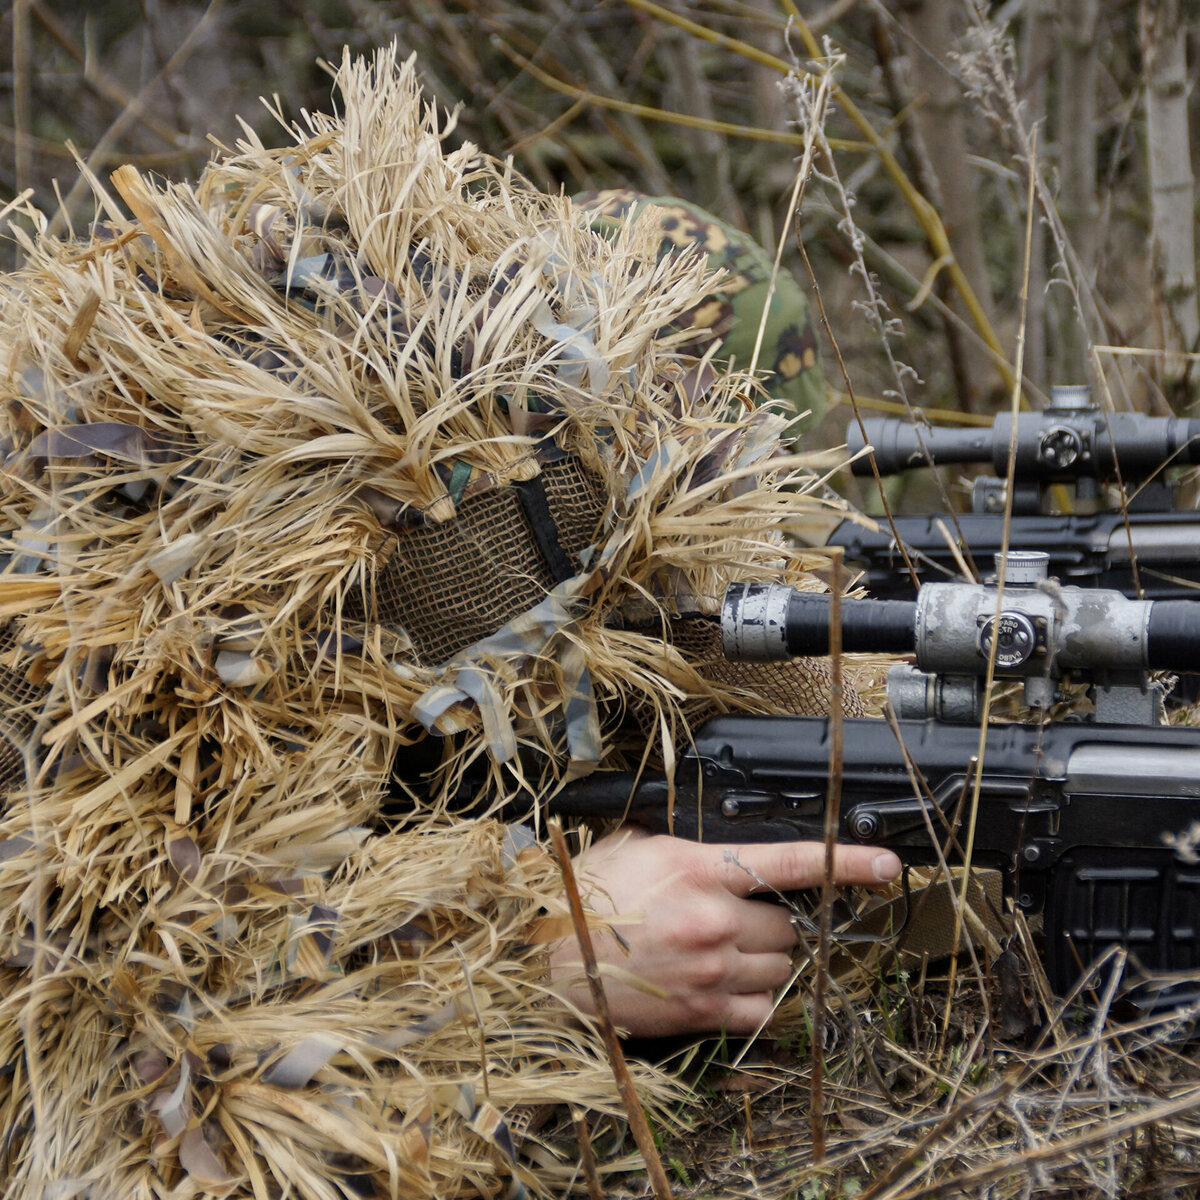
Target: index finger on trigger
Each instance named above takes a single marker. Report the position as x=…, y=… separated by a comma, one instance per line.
x=786, y=866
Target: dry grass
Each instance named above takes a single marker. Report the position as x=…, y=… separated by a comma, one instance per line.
x=1004, y=1092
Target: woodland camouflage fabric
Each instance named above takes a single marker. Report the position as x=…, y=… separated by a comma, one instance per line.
x=731, y=313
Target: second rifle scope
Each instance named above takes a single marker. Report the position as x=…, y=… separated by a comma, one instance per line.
x=1068, y=440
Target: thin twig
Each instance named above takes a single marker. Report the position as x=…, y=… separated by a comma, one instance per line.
x=131, y=113
x=825, y=324
x=22, y=89
x=638, y=1125
x=104, y=84
x=924, y=211
x=993, y=646
x=648, y=112
x=833, y=805
x=972, y=1183
x=587, y=1159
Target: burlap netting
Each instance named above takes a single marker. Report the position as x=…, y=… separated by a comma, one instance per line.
x=355, y=443
x=20, y=703
x=448, y=585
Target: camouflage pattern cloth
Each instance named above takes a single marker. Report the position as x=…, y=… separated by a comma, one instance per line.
x=789, y=355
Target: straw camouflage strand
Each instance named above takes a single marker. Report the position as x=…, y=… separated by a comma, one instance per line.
x=357, y=444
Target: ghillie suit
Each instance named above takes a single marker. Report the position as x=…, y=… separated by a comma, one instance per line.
x=355, y=445
x=754, y=316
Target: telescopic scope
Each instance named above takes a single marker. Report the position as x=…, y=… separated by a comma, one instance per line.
x=1071, y=439
x=950, y=628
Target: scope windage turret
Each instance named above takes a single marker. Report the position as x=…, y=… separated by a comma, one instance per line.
x=1071, y=439
x=950, y=627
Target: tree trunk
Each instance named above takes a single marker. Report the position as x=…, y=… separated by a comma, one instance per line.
x=1033, y=55
x=1077, y=206
x=1172, y=200
x=943, y=126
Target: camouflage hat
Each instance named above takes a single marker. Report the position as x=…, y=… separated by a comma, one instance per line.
x=730, y=316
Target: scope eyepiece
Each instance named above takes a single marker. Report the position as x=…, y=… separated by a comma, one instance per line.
x=764, y=621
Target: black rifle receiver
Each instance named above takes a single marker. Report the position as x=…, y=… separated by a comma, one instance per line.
x=1087, y=549
x=1095, y=823
x=1077, y=816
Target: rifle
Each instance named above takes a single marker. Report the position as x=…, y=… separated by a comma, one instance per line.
x=1095, y=823
x=1143, y=545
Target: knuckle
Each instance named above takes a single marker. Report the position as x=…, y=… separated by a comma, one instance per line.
x=711, y=926
x=779, y=971
x=798, y=862
x=753, y=1012
x=706, y=1011
x=707, y=972
x=671, y=853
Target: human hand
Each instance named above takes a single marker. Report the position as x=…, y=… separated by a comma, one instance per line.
x=692, y=930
